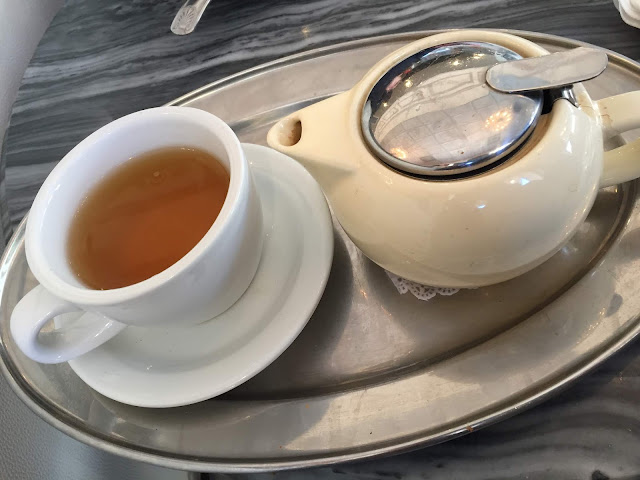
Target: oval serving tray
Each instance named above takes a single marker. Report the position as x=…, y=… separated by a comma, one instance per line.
x=374, y=372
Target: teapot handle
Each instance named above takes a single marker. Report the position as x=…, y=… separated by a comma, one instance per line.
x=619, y=114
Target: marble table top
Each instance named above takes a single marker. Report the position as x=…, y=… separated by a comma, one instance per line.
x=101, y=60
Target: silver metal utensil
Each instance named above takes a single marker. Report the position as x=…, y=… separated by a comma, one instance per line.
x=549, y=71
x=188, y=16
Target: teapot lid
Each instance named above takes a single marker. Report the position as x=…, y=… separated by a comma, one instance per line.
x=434, y=114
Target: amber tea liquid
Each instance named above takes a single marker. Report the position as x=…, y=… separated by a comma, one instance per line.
x=145, y=216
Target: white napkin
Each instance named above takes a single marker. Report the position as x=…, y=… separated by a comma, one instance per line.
x=422, y=292
x=630, y=11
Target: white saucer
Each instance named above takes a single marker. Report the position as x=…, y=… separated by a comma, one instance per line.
x=172, y=367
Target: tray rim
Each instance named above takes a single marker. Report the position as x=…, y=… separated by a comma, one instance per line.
x=70, y=426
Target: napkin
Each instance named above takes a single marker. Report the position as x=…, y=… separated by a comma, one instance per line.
x=630, y=11
x=422, y=292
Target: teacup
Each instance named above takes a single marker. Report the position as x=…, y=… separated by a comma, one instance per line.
x=204, y=283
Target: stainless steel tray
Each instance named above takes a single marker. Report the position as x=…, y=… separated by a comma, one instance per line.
x=374, y=372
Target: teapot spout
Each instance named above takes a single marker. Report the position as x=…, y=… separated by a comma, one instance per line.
x=320, y=137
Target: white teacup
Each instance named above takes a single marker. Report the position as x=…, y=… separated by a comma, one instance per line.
x=201, y=285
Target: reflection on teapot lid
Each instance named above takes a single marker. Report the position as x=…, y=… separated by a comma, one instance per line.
x=433, y=113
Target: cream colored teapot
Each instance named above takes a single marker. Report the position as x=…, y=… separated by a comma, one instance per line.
x=455, y=183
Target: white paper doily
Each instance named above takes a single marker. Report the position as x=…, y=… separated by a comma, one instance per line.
x=422, y=292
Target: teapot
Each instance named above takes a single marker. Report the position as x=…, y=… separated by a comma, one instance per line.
x=453, y=184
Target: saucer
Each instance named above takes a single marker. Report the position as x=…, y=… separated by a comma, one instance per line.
x=162, y=367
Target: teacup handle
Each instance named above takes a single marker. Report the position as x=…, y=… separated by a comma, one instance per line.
x=619, y=114
x=37, y=308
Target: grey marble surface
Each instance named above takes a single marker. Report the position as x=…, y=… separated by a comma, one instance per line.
x=101, y=60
